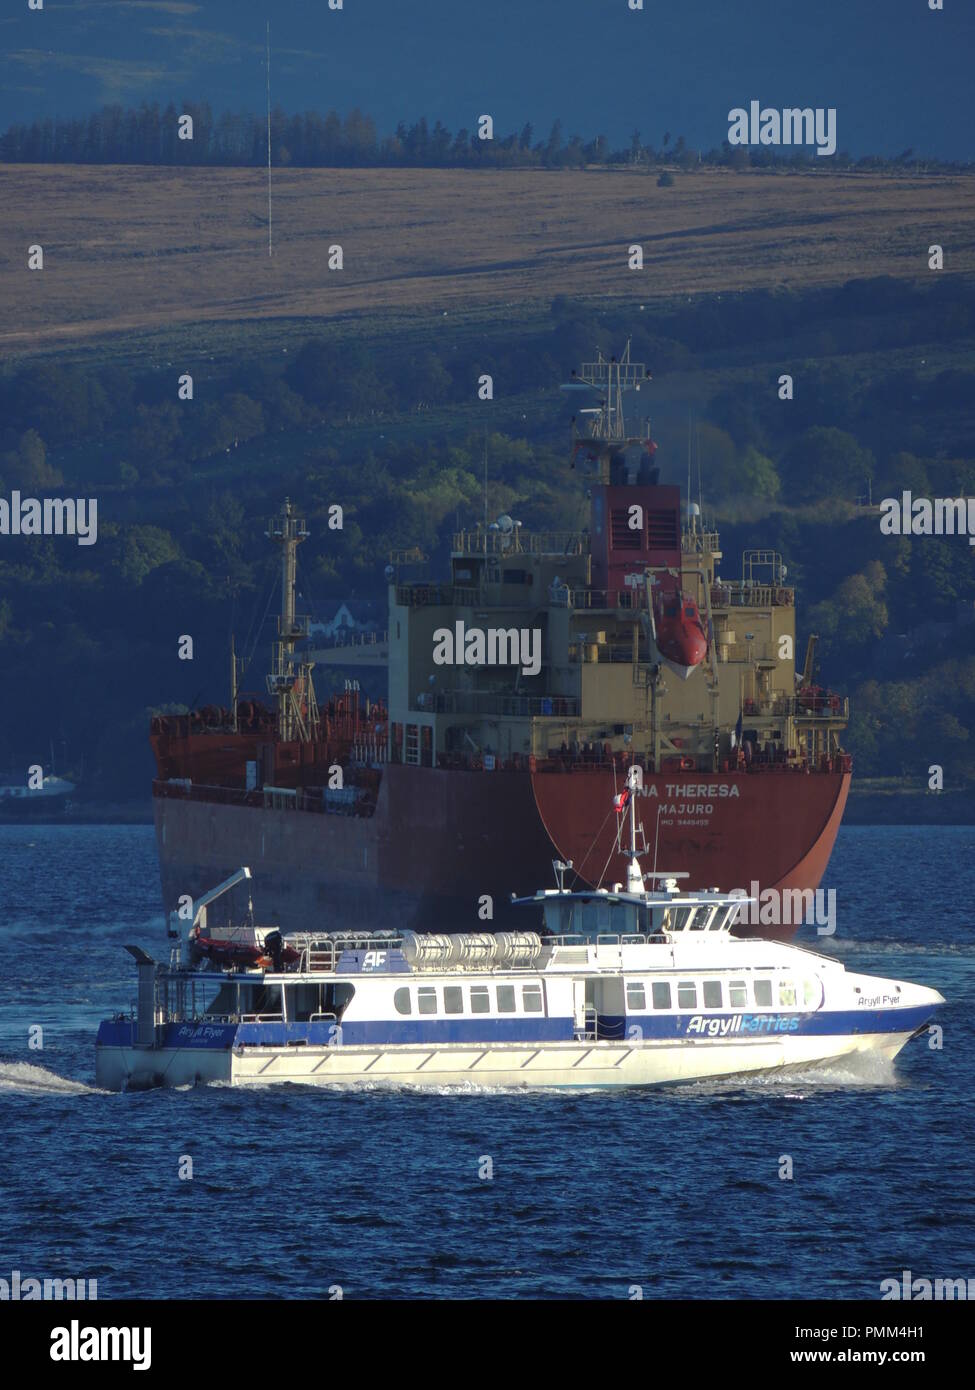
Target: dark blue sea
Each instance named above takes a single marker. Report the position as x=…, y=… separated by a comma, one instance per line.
x=296, y=1191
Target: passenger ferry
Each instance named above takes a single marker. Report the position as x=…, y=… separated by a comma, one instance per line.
x=624, y=987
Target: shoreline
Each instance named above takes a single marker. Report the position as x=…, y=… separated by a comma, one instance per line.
x=869, y=806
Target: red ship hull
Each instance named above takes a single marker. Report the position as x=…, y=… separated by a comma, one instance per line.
x=440, y=842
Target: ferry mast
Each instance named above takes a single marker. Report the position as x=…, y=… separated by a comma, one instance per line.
x=290, y=681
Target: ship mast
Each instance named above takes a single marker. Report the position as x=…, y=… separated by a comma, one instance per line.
x=290, y=681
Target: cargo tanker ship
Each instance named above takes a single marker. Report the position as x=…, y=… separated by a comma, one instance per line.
x=522, y=690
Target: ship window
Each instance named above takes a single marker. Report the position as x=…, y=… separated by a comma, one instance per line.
x=810, y=993
x=697, y=920
x=401, y=1001
x=426, y=1000
x=681, y=917
x=738, y=994
x=763, y=993
x=686, y=994
x=636, y=998
x=480, y=999
x=661, y=994
x=531, y=999
x=413, y=743
x=506, y=999
x=787, y=994
x=709, y=919
x=712, y=994
x=453, y=999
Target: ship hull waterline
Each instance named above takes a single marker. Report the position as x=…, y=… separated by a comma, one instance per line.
x=509, y=1066
x=445, y=848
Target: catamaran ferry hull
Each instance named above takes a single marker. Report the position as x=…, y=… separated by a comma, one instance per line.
x=501, y=1065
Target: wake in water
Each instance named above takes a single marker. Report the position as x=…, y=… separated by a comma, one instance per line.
x=23, y=1076
x=858, y=1069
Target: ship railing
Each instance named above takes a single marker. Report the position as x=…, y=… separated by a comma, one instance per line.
x=738, y=593
x=821, y=707
x=262, y=1018
x=278, y=798
x=493, y=702
x=344, y=638
x=604, y=939
x=320, y=955
x=520, y=542
x=746, y=651
x=593, y=653
x=601, y=600
x=700, y=542
x=437, y=596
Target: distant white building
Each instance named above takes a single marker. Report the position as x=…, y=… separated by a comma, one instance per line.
x=344, y=619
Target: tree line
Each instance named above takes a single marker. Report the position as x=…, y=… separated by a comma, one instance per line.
x=150, y=134
x=87, y=636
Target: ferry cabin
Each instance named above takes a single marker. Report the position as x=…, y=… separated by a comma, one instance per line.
x=676, y=997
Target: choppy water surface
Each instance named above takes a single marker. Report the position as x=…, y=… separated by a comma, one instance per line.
x=297, y=1190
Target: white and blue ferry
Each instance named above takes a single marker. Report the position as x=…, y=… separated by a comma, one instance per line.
x=622, y=987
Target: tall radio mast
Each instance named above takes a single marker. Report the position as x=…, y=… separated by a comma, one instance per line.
x=268, y=72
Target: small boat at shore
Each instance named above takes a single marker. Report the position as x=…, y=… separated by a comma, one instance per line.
x=629, y=986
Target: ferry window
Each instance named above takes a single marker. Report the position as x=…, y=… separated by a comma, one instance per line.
x=712, y=994
x=426, y=1000
x=401, y=1002
x=717, y=919
x=698, y=919
x=453, y=999
x=686, y=994
x=738, y=994
x=661, y=994
x=708, y=920
x=763, y=993
x=506, y=999
x=531, y=999
x=480, y=999
x=787, y=994
x=810, y=993
x=636, y=997
x=681, y=917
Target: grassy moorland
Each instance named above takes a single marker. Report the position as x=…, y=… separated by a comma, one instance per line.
x=136, y=250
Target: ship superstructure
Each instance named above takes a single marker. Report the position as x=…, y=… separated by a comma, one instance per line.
x=522, y=688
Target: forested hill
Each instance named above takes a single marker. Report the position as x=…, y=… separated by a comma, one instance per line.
x=391, y=429
x=150, y=134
